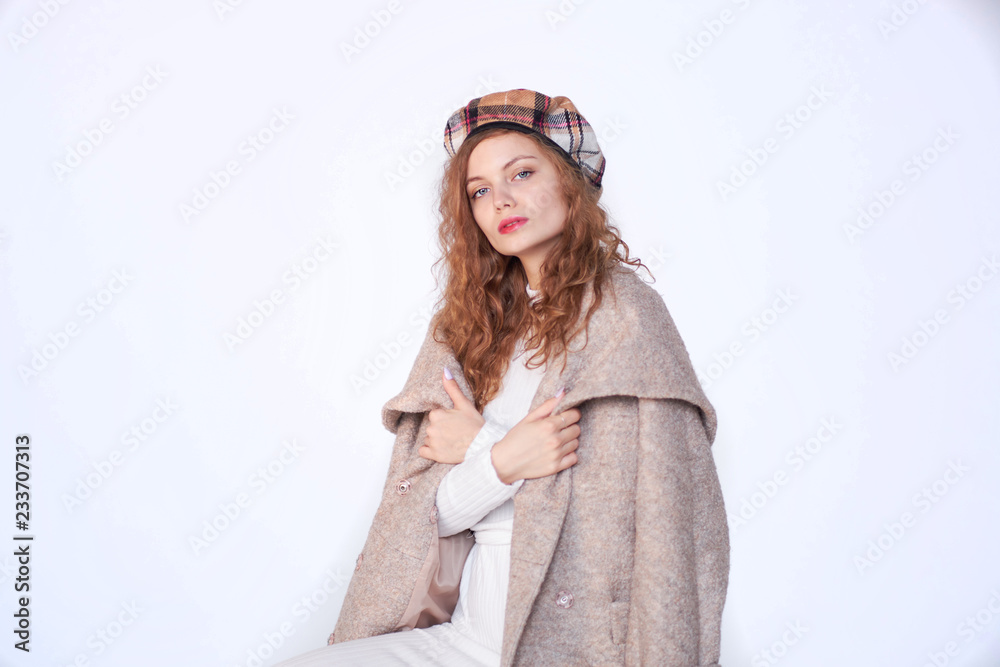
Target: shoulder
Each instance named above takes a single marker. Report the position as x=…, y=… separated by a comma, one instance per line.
x=647, y=355
x=634, y=298
x=636, y=310
x=422, y=390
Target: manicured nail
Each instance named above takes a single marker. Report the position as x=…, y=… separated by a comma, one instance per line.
x=562, y=390
x=447, y=373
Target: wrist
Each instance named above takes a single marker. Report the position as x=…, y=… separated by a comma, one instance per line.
x=499, y=464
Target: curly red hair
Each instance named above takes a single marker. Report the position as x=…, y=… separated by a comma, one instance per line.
x=484, y=304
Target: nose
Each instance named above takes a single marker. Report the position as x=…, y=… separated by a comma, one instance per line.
x=502, y=197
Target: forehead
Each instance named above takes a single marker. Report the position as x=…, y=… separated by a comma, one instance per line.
x=494, y=152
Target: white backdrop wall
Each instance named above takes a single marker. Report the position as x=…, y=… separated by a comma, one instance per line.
x=215, y=267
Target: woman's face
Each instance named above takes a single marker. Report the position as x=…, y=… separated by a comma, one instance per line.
x=516, y=199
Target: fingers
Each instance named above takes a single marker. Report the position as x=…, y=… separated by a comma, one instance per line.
x=451, y=387
x=546, y=408
x=543, y=410
x=568, y=449
x=568, y=460
x=572, y=415
x=564, y=420
x=567, y=417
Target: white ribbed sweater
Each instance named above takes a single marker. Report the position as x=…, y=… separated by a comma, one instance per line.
x=472, y=496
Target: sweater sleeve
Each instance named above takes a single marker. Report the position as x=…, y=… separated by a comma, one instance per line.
x=682, y=541
x=472, y=489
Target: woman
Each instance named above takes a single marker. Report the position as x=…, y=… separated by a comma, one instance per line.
x=578, y=526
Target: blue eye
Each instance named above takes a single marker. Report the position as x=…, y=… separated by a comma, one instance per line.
x=519, y=176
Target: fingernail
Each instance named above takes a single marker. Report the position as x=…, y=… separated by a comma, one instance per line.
x=447, y=373
x=562, y=390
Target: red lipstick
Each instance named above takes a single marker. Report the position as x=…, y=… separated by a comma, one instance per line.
x=507, y=225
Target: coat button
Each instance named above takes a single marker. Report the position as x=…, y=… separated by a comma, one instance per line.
x=434, y=514
x=329, y=641
x=357, y=566
x=564, y=599
x=402, y=486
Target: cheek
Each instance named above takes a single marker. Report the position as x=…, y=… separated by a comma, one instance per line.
x=558, y=213
x=480, y=217
x=547, y=196
x=551, y=203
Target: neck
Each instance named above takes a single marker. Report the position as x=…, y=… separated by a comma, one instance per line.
x=533, y=275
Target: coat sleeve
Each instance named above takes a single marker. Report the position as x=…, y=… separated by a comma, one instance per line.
x=681, y=566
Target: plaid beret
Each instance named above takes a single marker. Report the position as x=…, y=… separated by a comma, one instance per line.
x=555, y=118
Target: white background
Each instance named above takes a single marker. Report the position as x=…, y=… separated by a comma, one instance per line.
x=357, y=166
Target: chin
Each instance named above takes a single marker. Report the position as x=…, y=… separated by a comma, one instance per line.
x=504, y=252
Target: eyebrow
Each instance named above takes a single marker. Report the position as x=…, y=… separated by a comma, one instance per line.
x=519, y=157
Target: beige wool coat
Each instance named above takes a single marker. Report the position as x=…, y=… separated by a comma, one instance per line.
x=621, y=559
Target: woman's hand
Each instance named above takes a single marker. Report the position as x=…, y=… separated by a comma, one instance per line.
x=539, y=445
x=451, y=431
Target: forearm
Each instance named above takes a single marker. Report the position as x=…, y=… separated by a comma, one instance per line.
x=471, y=489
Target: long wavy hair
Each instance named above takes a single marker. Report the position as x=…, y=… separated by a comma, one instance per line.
x=484, y=307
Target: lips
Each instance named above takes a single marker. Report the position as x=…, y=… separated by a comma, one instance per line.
x=507, y=225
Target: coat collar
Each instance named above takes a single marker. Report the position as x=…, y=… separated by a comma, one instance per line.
x=632, y=348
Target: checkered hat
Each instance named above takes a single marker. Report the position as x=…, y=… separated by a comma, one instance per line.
x=555, y=118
